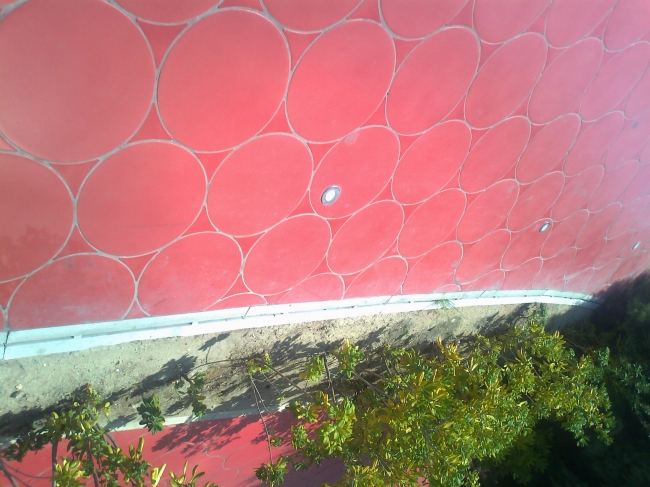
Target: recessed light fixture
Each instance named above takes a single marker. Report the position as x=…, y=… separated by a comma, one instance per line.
x=544, y=227
x=330, y=195
x=636, y=245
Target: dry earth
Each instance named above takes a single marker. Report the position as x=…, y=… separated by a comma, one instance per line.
x=124, y=373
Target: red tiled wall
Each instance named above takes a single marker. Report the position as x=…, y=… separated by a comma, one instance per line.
x=167, y=157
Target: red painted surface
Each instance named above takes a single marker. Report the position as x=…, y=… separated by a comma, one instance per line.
x=170, y=157
x=227, y=450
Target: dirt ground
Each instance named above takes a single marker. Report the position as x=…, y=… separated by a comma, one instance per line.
x=124, y=373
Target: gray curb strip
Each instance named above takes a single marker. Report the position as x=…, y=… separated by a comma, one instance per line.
x=62, y=339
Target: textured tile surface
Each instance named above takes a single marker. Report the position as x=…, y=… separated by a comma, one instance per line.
x=172, y=158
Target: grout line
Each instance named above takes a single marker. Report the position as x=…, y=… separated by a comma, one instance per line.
x=65, y=339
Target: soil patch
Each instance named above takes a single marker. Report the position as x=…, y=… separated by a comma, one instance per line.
x=124, y=373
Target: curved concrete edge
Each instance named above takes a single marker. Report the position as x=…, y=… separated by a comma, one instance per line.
x=62, y=339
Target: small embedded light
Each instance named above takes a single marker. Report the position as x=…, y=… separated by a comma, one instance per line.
x=544, y=227
x=330, y=195
x=636, y=245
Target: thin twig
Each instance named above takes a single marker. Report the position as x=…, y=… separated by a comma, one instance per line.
x=370, y=385
x=92, y=460
x=268, y=437
x=379, y=376
x=55, y=448
x=111, y=438
x=7, y=473
x=272, y=384
x=329, y=378
x=302, y=391
x=107, y=434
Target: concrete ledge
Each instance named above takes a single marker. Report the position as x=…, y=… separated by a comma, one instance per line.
x=61, y=339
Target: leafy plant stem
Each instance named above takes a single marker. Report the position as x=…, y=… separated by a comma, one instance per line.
x=329, y=379
x=266, y=430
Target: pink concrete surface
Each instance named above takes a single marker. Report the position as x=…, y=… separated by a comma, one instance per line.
x=227, y=450
x=163, y=157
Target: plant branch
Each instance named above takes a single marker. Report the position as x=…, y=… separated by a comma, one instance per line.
x=302, y=391
x=55, y=448
x=92, y=461
x=8, y=474
x=268, y=436
x=370, y=385
x=329, y=378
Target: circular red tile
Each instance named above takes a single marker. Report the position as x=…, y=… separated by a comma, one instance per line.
x=418, y=176
x=482, y=257
x=505, y=80
x=548, y=148
x=643, y=221
x=639, y=100
x=496, y=22
x=535, y=201
x=431, y=223
x=243, y=300
x=449, y=288
x=645, y=155
x=629, y=142
x=341, y=80
x=613, y=184
x=432, y=80
x=190, y=274
x=628, y=269
x=35, y=215
x=488, y=211
x=214, y=99
x=629, y=21
x=628, y=216
x=491, y=280
x=259, y=184
x=80, y=84
x=381, y=279
x=577, y=191
x=141, y=198
x=525, y=245
x=309, y=16
x=639, y=187
x=415, y=19
x=585, y=258
x=287, y=254
x=523, y=276
x=365, y=237
x=579, y=283
x=73, y=290
x=601, y=278
x=614, y=247
x=565, y=81
x=570, y=20
x=168, y=12
x=495, y=154
x=597, y=225
x=642, y=237
x=614, y=81
x=323, y=287
x=564, y=234
x=360, y=165
x=433, y=270
x=593, y=143
x=553, y=269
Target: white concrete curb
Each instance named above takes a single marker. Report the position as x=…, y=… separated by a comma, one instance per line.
x=61, y=339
